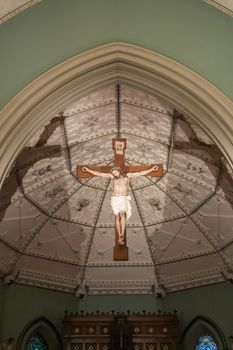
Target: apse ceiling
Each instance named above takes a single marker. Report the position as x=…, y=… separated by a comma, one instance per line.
x=57, y=230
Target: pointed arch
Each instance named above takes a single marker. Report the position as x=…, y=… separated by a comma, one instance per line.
x=45, y=329
x=202, y=325
x=79, y=75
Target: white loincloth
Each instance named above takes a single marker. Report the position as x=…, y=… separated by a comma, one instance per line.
x=121, y=204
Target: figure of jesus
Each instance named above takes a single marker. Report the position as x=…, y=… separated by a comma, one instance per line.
x=120, y=201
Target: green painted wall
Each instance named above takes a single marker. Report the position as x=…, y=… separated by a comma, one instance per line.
x=189, y=31
x=23, y=304
x=214, y=302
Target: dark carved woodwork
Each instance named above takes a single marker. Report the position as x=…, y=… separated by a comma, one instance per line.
x=120, y=332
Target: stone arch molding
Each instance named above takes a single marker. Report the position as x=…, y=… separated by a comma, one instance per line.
x=43, y=327
x=81, y=74
x=202, y=325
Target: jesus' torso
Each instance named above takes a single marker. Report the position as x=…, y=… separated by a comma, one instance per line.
x=120, y=186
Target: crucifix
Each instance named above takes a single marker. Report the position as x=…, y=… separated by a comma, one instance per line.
x=120, y=201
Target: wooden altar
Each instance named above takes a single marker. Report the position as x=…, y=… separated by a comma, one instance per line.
x=120, y=331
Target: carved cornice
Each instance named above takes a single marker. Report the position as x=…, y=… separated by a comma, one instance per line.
x=180, y=282
x=48, y=281
x=44, y=280
x=192, y=280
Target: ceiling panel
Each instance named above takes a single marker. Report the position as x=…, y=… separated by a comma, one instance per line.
x=61, y=241
x=82, y=207
x=156, y=206
x=57, y=231
x=104, y=96
x=43, y=170
x=20, y=223
x=98, y=151
x=104, y=240
x=91, y=124
x=176, y=240
x=119, y=274
x=144, y=151
x=141, y=98
x=52, y=195
x=195, y=267
x=192, y=139
x=195, y=169
x=216, y=218
x=147, y=123
x=188, y=194
x=48, y=268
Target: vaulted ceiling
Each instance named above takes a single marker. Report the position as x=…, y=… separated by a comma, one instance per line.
x=57, y=230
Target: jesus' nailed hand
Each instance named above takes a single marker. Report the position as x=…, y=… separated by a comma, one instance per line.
x=120, y=201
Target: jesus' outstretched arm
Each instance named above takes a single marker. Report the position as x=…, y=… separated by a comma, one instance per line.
x=143, y=172
x=97, y=173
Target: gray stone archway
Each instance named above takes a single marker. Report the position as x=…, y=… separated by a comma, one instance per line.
x=75, y=77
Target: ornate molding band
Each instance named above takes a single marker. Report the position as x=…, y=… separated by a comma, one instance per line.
x=102, y=287
x=77, y=76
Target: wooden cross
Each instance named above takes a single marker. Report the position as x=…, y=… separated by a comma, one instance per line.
x=120, y=252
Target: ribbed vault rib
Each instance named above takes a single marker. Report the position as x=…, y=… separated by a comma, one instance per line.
x=93, y=233
x=51, y=216
x=146, y=138
x=58, y=260
x=118, y=110
x=157, y=281
x=189, y=216
x=67, y=149
x=146, y=108
x=11, y=246
x=171, y=140
x=45, y=222
x=70, y=219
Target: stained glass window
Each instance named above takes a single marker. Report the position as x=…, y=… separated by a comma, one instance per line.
x=206, y=342
x=36, y=343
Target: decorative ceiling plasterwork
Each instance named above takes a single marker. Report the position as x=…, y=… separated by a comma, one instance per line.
x=224, y=5
x=10, y=8
x=57, y=231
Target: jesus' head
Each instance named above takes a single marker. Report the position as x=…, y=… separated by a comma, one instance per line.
x=117, y=172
